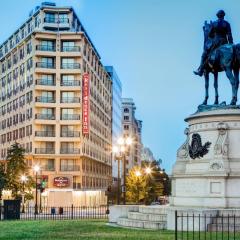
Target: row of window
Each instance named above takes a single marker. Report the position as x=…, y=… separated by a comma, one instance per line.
x=16, y=56
x=16, y=134
x=27, y=147
x=97, y=154
x=100, y=114
x=50, y=45
x=94, y=61
x=17, y=118
x=17, y=103
x=12, y=88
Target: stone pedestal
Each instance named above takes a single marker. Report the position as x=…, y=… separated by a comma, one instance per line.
x=207, y=171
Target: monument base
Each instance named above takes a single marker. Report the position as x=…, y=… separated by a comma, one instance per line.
x=207, y=171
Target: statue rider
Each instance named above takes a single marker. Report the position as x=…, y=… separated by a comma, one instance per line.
x=221, y=34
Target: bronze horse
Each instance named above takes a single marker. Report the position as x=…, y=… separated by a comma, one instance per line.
x=224, y=58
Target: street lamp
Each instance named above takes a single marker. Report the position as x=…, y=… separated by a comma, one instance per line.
x=23, y=180
x=148, y=170
x=117, y=151
x=138, y=173
x=36, y=169
x=123, y=143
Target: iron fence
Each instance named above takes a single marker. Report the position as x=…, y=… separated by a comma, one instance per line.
x=60, y=213
x=207, y=226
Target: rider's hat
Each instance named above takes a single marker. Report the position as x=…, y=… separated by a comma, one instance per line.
x=220, y=13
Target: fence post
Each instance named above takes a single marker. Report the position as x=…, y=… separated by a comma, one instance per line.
x=176, y=225
x=72, y=211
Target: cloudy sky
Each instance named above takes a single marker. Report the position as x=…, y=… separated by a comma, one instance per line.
x=154, y=45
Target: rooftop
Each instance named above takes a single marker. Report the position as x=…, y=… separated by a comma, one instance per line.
x=51, y=5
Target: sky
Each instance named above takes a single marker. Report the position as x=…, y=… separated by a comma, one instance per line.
x=154, y=45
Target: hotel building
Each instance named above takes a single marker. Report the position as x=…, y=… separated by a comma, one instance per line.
x=56, y=101
x=132, y=128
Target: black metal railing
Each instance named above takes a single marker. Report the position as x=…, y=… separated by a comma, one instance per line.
x=206, y=226
x=46, y=82
x=69, y=151
x=45, y=99
x=69, y=168
x=70, y=49
x=44, y=150
x=43, y=47
x=56, y=20
x=48, y=168
x=70, y=100
x=60, y=213
x=70, y=65
x=70, y=83
x=45, y=65
x=70, y=134
x=45, y=134
x=45, y=116
x=70, y=117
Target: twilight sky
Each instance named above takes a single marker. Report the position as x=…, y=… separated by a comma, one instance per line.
x=153, y=45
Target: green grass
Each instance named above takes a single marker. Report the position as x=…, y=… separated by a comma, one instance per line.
x=75, y=229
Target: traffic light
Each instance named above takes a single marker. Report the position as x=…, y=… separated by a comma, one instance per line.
x=43, y=184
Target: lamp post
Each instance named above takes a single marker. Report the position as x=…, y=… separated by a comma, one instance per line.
x=118, y=155
x=36, y=169
x=122, y=148
x=23, y=180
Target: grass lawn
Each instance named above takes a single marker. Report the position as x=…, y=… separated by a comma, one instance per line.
x=75, y=229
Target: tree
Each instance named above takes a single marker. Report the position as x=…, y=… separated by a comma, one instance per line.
x=160, y=179
x=16, y=166
x=147, y=186
x=137, y=185
x=3, y=179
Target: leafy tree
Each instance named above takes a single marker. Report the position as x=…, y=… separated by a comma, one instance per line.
x=137, y=185
x=147, y=187
x=16, y=167
x=161, y=178
x=3, y=179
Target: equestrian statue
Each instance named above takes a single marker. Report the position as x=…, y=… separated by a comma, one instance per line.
x=219, y=54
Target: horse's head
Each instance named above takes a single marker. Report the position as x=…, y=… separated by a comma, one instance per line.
x=206, y=29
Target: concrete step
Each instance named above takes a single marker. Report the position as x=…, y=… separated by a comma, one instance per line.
x=147, y=217
x=125, y=222
x=224, y=228
x=158, y=209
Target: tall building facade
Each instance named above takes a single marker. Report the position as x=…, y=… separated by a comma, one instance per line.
x=147, y=155
x=56, y=101
x=116, y=116
x=132, y=127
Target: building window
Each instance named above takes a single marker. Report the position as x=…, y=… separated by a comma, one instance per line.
x=126, y=127
x=126, y=110
x=69, y=63
x=63, y=18
x=69, y=46
x=126, y=118
x=50, y=18
x=46, y=45
x=49, y=164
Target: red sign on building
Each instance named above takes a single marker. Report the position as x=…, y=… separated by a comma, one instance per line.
x=85, y=105
x=61, y=182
